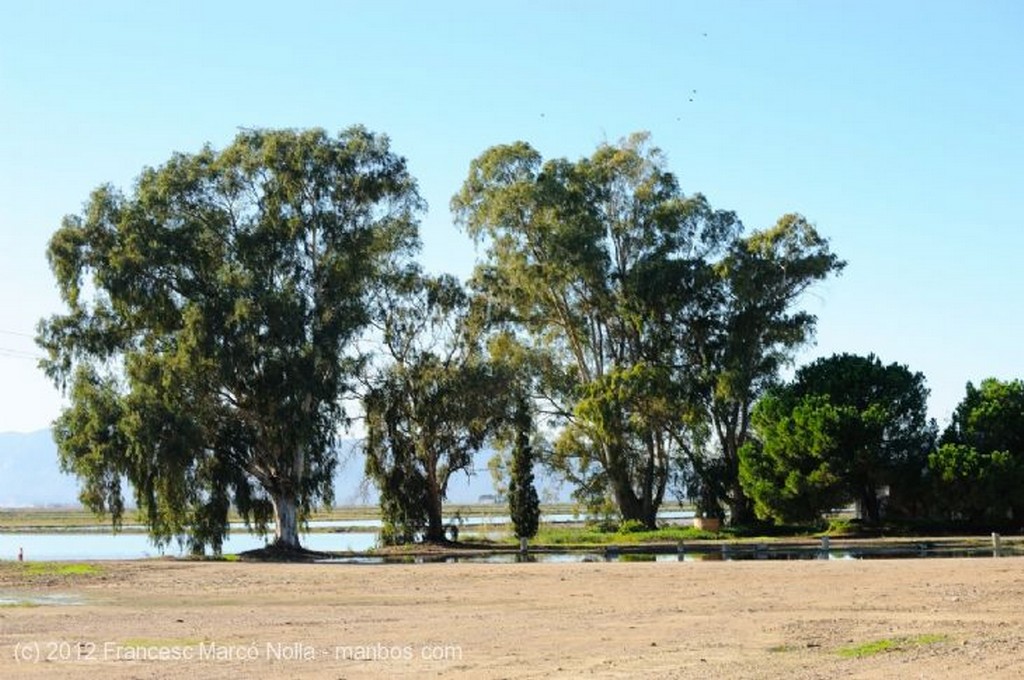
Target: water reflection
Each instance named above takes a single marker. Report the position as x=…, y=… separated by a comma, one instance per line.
x=346, y=535
x=498, y=519
x=325, y=537
x=719, y=555
x=94, y=546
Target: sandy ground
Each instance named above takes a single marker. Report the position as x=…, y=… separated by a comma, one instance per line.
x=944, y=618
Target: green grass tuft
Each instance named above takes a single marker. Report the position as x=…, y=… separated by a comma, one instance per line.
x=889, y=645
x=60, y=569
x=565, y=536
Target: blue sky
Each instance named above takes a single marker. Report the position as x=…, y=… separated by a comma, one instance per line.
x=897, y=128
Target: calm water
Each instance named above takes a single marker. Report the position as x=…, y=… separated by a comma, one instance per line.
x=97, y=543
x=361, y=535
x=714, y=555
x=97, y=546
x=496, y=519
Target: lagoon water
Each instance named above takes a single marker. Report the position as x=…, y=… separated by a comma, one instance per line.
x=356, y=535
x=125, y=546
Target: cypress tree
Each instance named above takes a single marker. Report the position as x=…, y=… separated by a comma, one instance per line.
x=524, y=504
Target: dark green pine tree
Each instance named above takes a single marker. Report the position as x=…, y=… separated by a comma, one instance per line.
x=523, y=502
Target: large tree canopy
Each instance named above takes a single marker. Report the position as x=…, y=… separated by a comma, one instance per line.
x=979, y=467
x=211, y=317
x=594, y=261
x=658, y=323
x=845, y=427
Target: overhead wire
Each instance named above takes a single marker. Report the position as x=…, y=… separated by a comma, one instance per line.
x=16, y=353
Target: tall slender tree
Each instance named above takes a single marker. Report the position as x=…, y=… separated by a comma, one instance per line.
x=524, y=504
x=432, y=405
x=755, y=326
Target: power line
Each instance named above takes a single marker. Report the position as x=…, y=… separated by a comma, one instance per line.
x=14, y=352
x=11, y=353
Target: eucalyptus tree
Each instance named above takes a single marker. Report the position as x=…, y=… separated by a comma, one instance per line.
x=597, y=263
x=212, y=313
x=753, y=330
x=432, y=404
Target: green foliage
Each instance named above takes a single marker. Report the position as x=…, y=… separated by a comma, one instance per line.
x=595, y=263
x=890, y=645
x=753, y=328
x=498, y=465
x=212, y=315
x=60, y=569
x=978, y=470
x=524, y=504
x=431, y=407
x=631, y=526
x=844, y=427
x=841, y=526
x=653, y=324
x=569, y=536
x=790, y=471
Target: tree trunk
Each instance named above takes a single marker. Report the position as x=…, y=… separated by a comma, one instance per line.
x=741, y=510
x=435, y=521
x=631, y=507
x=286, y=520
x=869, y=504
x=435, y=526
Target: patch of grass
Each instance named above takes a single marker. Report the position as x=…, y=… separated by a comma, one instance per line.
x=890, y=645
x=868, y=648
x=780, y=649
x=843, y=526
x=61, y=569
x=565, y=536
x=20, y=604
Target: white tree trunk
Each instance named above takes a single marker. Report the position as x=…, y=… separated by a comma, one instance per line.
x=286, y=521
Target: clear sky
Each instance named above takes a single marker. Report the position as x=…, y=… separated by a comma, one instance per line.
x=896, y=127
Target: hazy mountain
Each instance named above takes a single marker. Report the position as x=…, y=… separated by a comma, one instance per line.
x=30, y=475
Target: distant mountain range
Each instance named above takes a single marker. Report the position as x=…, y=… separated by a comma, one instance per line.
x=29, y=473
x=31, y=476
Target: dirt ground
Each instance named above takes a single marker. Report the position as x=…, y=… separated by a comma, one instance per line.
x=912, y=618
